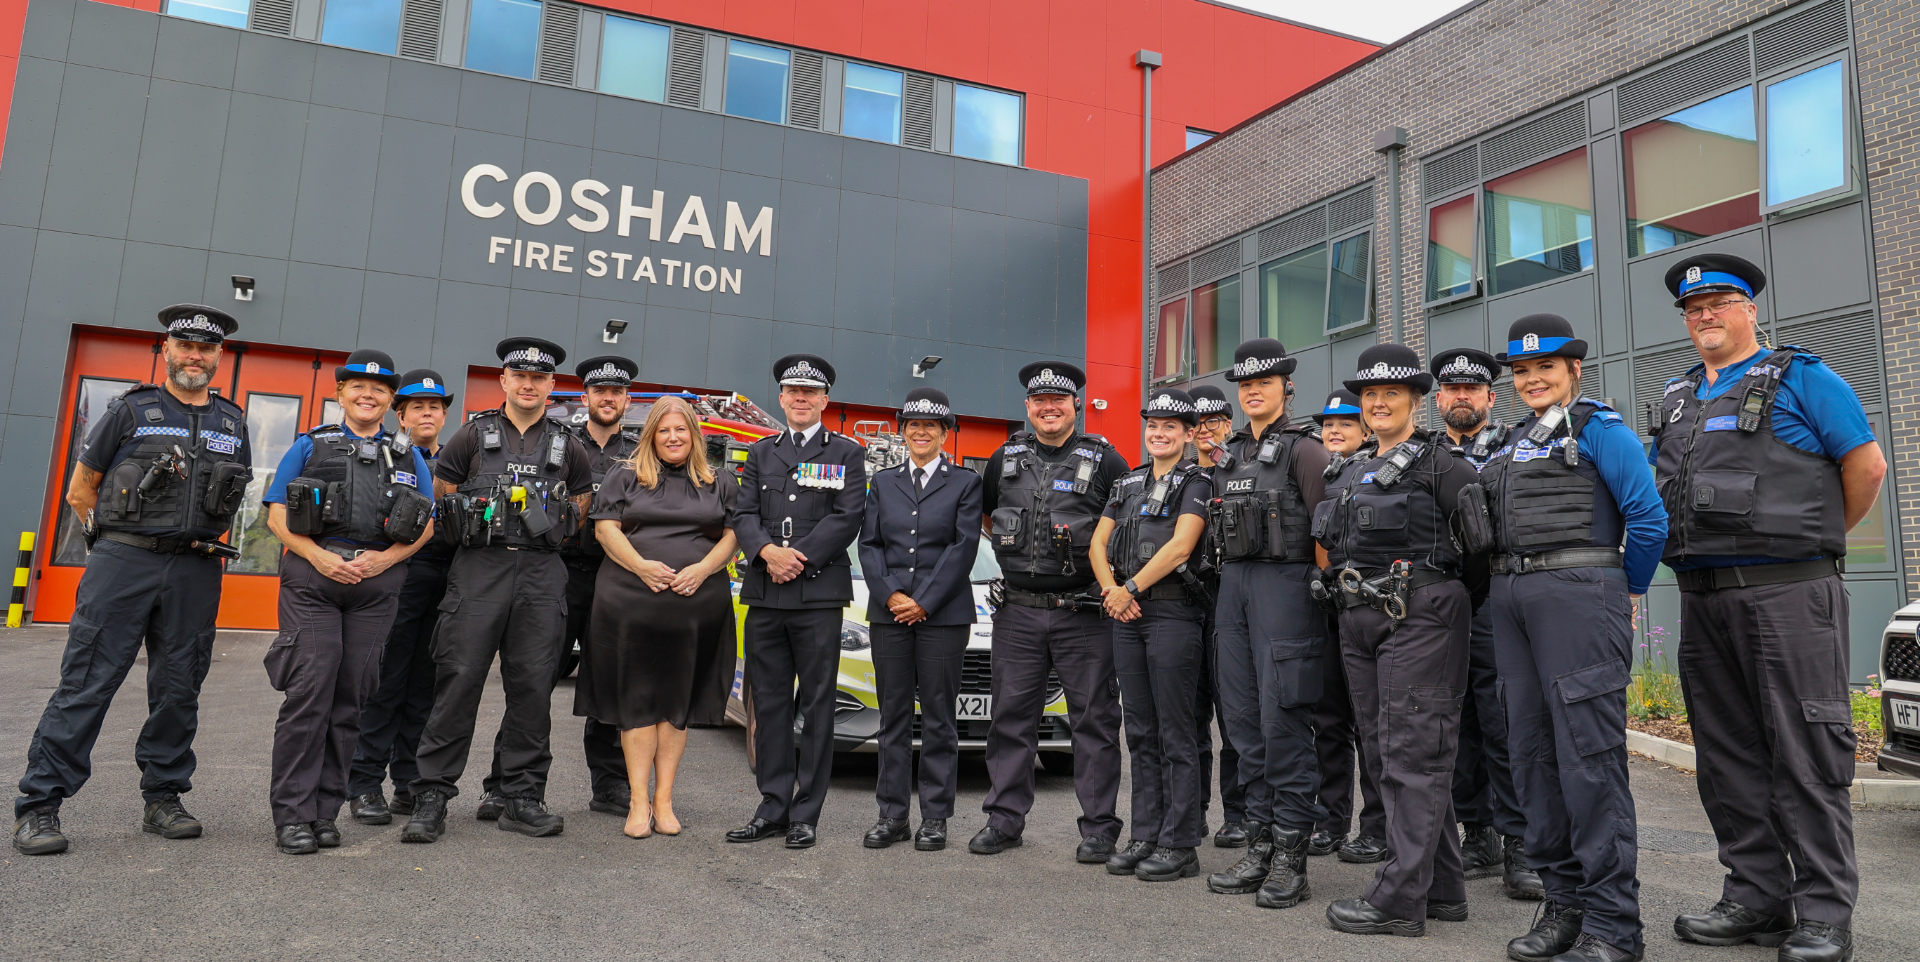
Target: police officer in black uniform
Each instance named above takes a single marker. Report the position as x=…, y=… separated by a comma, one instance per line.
x=1215, y=412
x=1492, y=836
x=1044, y=491
x=1272, y=634
x=391, y=719
x=1395, y=569
x=605, y=393
x=1765, y=460
x=513, y=484
x=161, y=474
x=805, y=494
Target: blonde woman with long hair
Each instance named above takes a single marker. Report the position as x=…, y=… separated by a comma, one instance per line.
x=659, y=653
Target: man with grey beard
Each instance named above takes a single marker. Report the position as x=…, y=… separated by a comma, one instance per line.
x=158, y=480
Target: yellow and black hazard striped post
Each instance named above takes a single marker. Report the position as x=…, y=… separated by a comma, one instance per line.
x=17, y=606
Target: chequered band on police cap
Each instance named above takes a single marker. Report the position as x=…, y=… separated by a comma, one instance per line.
x=605, y=370
x=927, y=406
x=1167, y=402
x=1384, y=370
x=803, y=369
x=1254, y=365
x=1208, y=405
x=197, y=322
x=1047, y=379
x=530, y=354
x=1462, y=364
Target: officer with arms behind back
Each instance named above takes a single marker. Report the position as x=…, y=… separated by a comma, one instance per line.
x=392, y=717
x=352, y=504
x=513, y=483
x=1492, y=836
x=804, y=494
x=160, y=477
x=605, y=384
x=1765, y=461
x=1394, y=568
x=1044, y=490
x=1564, y=493
x=1210, y=437
x=1272, y=634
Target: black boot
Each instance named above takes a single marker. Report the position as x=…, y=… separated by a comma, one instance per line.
x=1250, y=872
x=402, y=803
x=1168, y=865
x=887, y=831
x=529, y=817
x=612, y=801
x=1325, y=842
x=1590, y=948
x=1361, y=917
x=1519, y=881
x=326, y=832
x=1730, y=923
x=1231, y=835
x=429, y=820
x=38, y=832
x=167, y=818
x=1552, y=933
x=296, y=839
x=370, y=809
x=491, y=805
x=1094, y=850
x=1481, y=853
x=1817, y=942
x=1127, y=858
x=1286, y=884
x=932, y=836
x=1364, y=849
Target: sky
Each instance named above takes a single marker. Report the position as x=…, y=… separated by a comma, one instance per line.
x=1382, y=21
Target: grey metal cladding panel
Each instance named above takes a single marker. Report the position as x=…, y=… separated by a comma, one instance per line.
x=1033, y=194
x=70, y=285
x=419, y=91
x=739, y=351
x=789, y=338
x=29, y=143
x=95, y=153
x=1655, y=320
x=16, y=248
x=542, y=314
x=265, y=140
x=979, y=272
x=274, y=67
x=1073, y=202
x=755, y=298
x=863, y=292
x=562, y=273
x=1071, y=313
x=923, y=270
x=870, y=168
x=351, y=79
x=640, y=173
x=410, y=198
x=683, y=182
x=674, y=350
x=926, y=177
x=979, y=381
x=805, y=259
x=1572, y=298
x=337, y=181
x=980, y=186
x=195, y=53
x=690, y=137
x=1456, y=327
x=48, y=28
x=751, y=147
x=113, y=37
x=590, y=323
x=25, y=454
x=463, y=254
x=626, y=126
x=906, y=352
x=864, y=355
x=323, y=307
x=1608, y=235
x=812, y=158
x=396, y=316
x=469, y=319
x=561, y=115
x=259, y=318
x=153, y=276
x=1820, y=262
x=494, y=104
x=1032, y=272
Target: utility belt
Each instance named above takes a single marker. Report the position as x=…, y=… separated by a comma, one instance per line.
x=479, y=517
x=1388, y=590
x=344, y=551
x=314, y=505
x=1748, y=576
x=1248, y=527
x=1163, y=591
x=1520, y=564
x=159, y=545
x=1076, y=601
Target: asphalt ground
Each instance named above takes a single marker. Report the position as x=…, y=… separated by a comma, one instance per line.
x=592, y=893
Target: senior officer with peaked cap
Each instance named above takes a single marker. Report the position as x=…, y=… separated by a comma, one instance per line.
x=173, y=460
x=1215, y=415
x=1765, y=460
x=803, y=498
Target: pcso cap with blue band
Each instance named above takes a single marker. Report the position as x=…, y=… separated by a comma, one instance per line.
x=927, y=404
x=1261, y=357
x=198, y=322
x=1052, y=377
x=1390, y=364
x=1210, y=401
x=1541, y=335
x=1170, y=402
x=606, y=369
x=804, y=370
x=368, y=365
x=1464, y=365
x=529, y=354
x=1342, y=403
x=422, y=382
x=1711, y=273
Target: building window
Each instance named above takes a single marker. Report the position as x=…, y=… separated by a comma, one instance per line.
x=1692, y=174
x=870, y=106
x=503, y=37
x=227, y=13
x=633, y=59
x=1450, y=230
x=1216, y=324
x=1170, y=341
x=370, y=25
x=757, y=81
x=1197, y=137
x=1293, y=297
x=1539, y=223
x=1806, y=135
x=986, y=124
x=1350, y=284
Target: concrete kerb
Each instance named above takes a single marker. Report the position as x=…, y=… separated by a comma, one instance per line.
x=1868, y=793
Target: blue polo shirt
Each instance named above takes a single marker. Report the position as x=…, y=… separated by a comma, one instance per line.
x=296, y=460
x=1815, y=410
x=1614, y=451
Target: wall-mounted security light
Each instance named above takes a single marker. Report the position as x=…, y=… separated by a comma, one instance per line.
x=242, y=287
x=926, y=364
x=614, y=329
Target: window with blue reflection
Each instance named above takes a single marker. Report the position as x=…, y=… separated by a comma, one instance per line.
x=1197, y=137
x=1539, y=223
x=503, y=36
x=227, y=13
x=1806, y=139
x=986, y=124
x=871, y=106
x=371, y=25
x=757, y=81
x=633, y=59
x=1693, y=173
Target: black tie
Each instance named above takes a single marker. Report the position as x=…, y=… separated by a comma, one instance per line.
x=920, y=479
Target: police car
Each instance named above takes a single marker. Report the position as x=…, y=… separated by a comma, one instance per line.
x=1900, y=693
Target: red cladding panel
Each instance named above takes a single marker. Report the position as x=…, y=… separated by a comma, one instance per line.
x=1075, y=48
x=894, y=32
x=1019, y=46
x=958, y=39
x=767, y=19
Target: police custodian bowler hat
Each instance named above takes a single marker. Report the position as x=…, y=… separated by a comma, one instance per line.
x=1261, y=357
x=1541, y=335
x=529, y=354
x=1708, y=273
x=1052, y=377
x=1390, y=364
x=370, y=365
x=198, y=322
x=927, y=404
x=1170, y=402
x=606, y=369
x=1464, y=365
x=1209, y=401
x=424, y=382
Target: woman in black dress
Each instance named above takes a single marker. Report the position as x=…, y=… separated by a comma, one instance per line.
x=660, y=649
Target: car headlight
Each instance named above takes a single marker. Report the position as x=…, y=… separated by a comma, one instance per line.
x=854, y=636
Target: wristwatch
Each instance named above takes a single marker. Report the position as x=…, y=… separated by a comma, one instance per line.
x=1132, y=588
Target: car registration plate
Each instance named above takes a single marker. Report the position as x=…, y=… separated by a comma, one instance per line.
x=980, y=708
x=1906, y=714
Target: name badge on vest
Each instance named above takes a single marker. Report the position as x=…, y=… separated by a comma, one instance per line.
x=831, y=476
x=407, y=478
x=1059, y=485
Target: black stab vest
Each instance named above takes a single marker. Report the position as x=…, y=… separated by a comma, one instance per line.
x=210, y=446
x=1149, y=511
x=1259, y=514
x=1540, y=502
x=1047, y=512
x=539, y=466
x=366, y=482
x=1365, y=526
